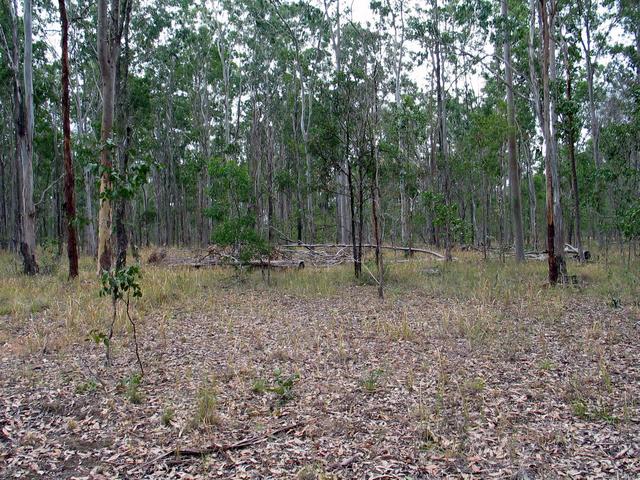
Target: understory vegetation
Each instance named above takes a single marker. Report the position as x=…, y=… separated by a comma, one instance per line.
x=467, y=367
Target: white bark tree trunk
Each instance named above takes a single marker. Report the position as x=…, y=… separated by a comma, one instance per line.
x=109, y=31
x=514, y=168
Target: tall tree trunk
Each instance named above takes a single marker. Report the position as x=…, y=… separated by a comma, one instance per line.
x=89, y=229
x=443, y=146
x=108, y=51
x=343, y=209
x=594, y=124
x=28, y=209
x=124, y=126
x=587, y=48
x=357, y=265
x=57, y=207
x=554, y=268
x=375, y=206
x=69, y=181
x=3, y=205
x=533, y=201
x=572, y=156
x=398, y=57
x=514, y=168
x=375, y=188
x=555, y=168
x=536, y=102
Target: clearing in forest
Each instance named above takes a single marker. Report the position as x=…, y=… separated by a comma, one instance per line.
x=466, y=370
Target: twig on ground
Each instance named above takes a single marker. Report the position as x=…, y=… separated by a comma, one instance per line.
x=215, y=448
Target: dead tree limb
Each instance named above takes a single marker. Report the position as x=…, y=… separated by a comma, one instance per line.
x=274, y=264
x=386, y=247
x=216, y=448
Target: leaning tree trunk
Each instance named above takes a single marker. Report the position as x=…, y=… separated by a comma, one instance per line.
x=514, y=170
x=69, y=181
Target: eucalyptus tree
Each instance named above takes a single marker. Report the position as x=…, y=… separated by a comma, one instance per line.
x=23, y=120
x=343, y=210
x=69, y=179
x=514, y=168
x=85, y=91
x=393, y=13
x=568, y=107
x=547, y=12
x=589, y=16
x=110, y=28
x=123, y=130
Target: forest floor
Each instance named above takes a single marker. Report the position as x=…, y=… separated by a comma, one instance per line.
x=469, y=370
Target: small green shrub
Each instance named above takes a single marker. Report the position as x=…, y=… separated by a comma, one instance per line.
x=259, y=386
x=546, y=365
x=167, y=416
x=120, y=285
x=474, y=386
x=207, y=406
x=89, y=386
x=371, y=382
x=579, y=409
x=281, y=386
x=131, y=386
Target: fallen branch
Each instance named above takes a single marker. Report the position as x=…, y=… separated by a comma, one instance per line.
x=568, y=250
x=344, y=463
x=49, y=187
x=299, y=264
x=386, y=247
x=283, y=264
x=215, y=448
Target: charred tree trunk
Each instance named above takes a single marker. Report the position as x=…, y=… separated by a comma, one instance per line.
x=69, y=180
x=3, y=205
x=122, y=83
x=554, y=268
x=357, y=266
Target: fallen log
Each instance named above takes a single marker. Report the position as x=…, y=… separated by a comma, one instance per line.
x=284, y=264
x=570, y=249
x=368, y=245
x=276, y=264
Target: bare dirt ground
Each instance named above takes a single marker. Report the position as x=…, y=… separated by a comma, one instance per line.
x=277, y=385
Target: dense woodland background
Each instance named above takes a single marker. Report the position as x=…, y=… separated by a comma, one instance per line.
x=274, y=134
x=255, y=122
